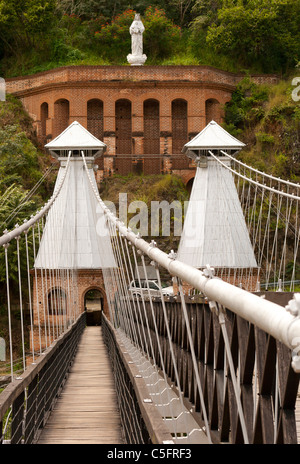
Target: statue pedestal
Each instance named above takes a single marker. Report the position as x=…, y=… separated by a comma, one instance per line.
x=136, y=60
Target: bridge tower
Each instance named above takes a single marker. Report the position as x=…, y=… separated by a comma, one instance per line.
x=215, y=231
x=75, y=246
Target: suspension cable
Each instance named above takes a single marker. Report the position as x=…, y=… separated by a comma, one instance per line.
x=263, y=186
x=8, y=236
x=269, y=176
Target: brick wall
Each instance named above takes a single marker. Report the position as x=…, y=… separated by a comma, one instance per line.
x=71, y=294
x=143, y=111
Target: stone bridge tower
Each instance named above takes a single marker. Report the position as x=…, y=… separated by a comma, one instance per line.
x=75, y=243
x=215, y=231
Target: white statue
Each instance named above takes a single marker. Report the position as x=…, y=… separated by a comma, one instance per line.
x=136, y=58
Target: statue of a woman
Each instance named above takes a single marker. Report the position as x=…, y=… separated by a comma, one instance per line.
x=136, y=31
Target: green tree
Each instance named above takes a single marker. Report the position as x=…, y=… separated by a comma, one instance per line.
x=24, y=23
x=245, y=108
x=161, y=37
x=19, y=158
x=261, y=33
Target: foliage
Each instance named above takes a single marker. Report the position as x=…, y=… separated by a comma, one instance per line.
x=267, y=119
x=261, y=32
x=23, y=23
x=178, y=10
x=18, y=158
x=161, y=36
x=148, y=188
x=246, y=105
x=21, y=164
x=234, y=35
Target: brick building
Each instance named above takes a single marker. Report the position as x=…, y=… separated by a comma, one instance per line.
x=143, y=114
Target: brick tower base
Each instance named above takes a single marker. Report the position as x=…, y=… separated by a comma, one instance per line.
x=58, y=298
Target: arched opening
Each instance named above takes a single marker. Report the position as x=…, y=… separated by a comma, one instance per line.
x=44, y=117
x=61, y=116
x=95, y=118
x=189, y=185
x=57, y=302
x=151, y=127
x=179, y=125
x=179, y=133
x=93, y=305
x=123, y=127
x=212, y=110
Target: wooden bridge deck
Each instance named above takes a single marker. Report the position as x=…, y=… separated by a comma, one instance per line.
x=86, y=411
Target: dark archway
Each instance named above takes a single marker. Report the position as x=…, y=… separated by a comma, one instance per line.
x=179, y=125
x=189, y=185
x=93, y=305
x=151, y=127
x=44, y=117
x=95, y=118
x=123, y=127
x=61, y=116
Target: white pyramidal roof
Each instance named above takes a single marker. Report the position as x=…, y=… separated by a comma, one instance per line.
x=215, y=231
x=213, y=137
x=76, y=137
x=75, y=234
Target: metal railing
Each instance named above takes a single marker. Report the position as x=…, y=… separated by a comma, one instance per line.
x=26, y=402
x=240, y=350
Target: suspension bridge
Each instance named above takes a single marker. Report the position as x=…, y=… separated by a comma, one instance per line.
x=197, y=346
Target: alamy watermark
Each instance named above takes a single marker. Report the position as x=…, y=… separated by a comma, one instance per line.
x=2, y=89
x=163, y=219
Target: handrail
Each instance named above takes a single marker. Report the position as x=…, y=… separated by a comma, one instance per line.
x=268, y=316
x=13, y=390
x=8, y=236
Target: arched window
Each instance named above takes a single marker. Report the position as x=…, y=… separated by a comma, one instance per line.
x=212, y=111
x=123, y=127
x=95, y=118
x=57, y=301
x=151, y=127
x=44, y=117
x=61, y=116
x=179, y=125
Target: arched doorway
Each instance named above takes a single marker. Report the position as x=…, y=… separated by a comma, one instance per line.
x=93, y=305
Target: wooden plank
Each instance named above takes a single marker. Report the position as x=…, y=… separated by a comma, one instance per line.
x=86, y=411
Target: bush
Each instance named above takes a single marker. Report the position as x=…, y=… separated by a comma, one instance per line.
x=246, y=106
x=161, y=37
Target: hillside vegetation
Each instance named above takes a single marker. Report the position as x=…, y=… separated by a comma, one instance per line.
x=235, y=35
x=267, y=119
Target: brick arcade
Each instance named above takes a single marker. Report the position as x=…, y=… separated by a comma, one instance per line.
x=144, y=114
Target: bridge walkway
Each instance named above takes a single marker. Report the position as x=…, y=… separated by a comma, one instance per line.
x=86, y=411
